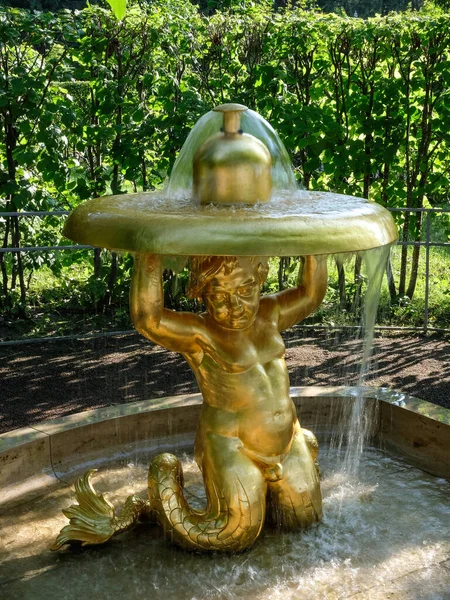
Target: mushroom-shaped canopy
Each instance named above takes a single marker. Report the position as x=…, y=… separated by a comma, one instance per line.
x=297, y=223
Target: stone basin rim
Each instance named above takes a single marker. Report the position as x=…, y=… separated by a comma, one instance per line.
x=38, y=457
x=89, y=417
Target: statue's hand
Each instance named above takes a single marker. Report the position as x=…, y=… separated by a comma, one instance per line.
x=312, y=274
x=307, y=269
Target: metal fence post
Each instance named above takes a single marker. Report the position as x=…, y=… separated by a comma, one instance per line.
x=427, y=271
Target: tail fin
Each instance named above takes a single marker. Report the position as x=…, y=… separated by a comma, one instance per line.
x=93, y=519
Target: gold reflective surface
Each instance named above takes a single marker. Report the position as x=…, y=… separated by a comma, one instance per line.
x=232, y=167
x=292, y=225
x=231, y=210
x=257, y=463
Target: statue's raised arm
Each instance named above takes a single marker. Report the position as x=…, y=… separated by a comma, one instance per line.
x=293, y=305
x=176, y=331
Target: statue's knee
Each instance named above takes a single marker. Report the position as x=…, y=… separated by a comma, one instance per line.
x=312, y=443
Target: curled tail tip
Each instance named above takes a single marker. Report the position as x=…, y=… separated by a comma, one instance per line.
x=165, y=461
x=81, y=533
x=89, y=500
x=60, y=541
x=166, y=465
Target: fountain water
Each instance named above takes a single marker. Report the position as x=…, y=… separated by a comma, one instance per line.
x=290, y=223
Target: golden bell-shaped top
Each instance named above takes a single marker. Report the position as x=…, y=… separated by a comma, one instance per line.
x=232, y=167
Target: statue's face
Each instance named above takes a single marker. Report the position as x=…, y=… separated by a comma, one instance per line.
x=232, y=299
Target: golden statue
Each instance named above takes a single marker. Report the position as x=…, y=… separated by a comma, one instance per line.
x=256, y=461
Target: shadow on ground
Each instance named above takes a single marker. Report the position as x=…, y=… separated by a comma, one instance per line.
x=47, y=380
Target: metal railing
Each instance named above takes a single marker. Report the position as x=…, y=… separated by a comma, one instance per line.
x=427, y=243
x=35, y=213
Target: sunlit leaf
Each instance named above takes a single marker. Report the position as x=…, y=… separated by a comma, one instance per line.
x=118, y=7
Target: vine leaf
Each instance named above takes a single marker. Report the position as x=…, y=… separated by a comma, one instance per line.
x=119, y=8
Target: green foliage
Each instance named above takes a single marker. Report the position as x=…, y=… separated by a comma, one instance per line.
x=360, y=8
x=91, y=105
x=119, y=8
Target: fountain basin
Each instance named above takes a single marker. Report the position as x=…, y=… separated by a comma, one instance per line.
x=354, y=552
x=35, y=458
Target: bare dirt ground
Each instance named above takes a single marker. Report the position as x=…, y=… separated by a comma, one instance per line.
x=41, y=381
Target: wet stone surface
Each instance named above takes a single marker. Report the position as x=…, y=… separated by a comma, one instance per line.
x=384, y=535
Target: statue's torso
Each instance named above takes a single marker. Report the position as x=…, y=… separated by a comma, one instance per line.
x=245, y=387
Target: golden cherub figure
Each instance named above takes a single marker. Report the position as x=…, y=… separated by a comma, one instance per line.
x=256, y=461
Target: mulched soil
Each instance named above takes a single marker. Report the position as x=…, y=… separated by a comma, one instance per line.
x=41, y=381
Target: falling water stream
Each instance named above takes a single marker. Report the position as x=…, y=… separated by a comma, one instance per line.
x=360, y=426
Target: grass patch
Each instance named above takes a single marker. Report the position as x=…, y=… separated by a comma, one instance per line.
x=69, y=300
